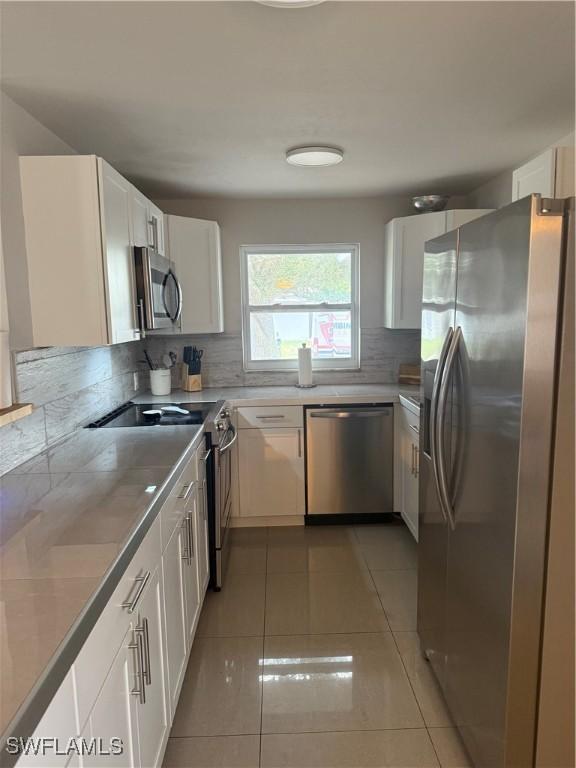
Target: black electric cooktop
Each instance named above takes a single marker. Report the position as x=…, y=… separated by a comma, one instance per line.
x=134, y=415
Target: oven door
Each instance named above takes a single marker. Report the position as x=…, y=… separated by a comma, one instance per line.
x=223, y=485
x=158, y=290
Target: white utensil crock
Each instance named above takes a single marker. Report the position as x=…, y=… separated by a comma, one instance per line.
x=161, y=381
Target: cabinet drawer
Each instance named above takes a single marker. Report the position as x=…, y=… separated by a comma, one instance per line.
x=262, y=416
x=175, y=505
x=412, y=421
x=99, y=650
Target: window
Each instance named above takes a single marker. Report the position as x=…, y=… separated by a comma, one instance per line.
x=299, y=294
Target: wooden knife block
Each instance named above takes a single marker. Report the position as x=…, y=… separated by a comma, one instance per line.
x=190, y=383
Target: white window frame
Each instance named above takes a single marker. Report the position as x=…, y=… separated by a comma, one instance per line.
x=351, y=363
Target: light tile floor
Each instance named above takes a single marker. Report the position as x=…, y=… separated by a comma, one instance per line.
x=309, y=658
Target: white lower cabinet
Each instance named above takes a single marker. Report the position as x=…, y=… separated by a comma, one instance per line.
x=174, y=568
x=114, y=715
x=153, y=715
x=271, y=471
x=121, y=693
x=408, y=467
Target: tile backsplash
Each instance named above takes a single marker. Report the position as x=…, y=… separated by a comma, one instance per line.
x=381, y=352
x=72, y=386
x=69, y=386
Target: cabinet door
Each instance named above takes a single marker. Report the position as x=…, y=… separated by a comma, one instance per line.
x=141, y=230
x=409, y=469
x=153, y=719
x=156, y=222
x=195, y=251
x=404, y=257
x=271, y=470
x=191, y=592
x=202, y=556
x=58, y=722
x=537, y=176
x=114, y=714
x=411, y=490
x=115, y=204
x=173, y=569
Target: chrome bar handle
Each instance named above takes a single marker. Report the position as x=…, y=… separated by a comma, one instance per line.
x=299, y=445
x=440, y=417
x=433, y=415
x=141, y=319
x=186, y=550
x=130, y=605
x=190, y=538
x=154, y=227
x=416, y=461
x=140, y=691
x=414, y=429
x=186, y=491
x=206, y=455
x=146, y=641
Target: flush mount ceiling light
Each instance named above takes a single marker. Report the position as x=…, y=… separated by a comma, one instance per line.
x=314, y=156
x=290, y=3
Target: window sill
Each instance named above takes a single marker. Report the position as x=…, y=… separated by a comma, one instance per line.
x=15, y=412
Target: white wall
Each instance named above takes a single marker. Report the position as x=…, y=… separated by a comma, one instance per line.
x=20, y=134
x=289, y=221
x=498, y=191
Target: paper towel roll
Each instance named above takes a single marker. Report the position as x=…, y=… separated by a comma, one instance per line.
x=304, y=366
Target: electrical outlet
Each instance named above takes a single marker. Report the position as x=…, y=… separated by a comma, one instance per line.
x=136, y=382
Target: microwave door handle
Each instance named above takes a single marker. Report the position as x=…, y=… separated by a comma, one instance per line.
x=179, y=294
x=176, y=316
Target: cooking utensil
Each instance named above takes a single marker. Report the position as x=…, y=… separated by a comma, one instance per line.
x=174, y=409
x=149, y=361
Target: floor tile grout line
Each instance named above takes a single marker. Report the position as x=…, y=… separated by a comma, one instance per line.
x=380, y=600
x=407, y=675
x=263, y=647
x=434, y=747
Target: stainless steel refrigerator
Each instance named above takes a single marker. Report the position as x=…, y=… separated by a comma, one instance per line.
x=494, y=299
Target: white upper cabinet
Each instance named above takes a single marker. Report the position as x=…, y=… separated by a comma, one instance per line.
x=82, y=220
x=115, y=207
x=404, y=260
x=551, y=174
x=194, y=249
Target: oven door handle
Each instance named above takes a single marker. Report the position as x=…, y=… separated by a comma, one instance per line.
x=226, y=446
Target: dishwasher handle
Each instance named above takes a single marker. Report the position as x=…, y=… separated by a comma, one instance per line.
x=350, y=414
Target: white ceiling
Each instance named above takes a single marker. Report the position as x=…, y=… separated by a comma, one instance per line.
x=190, y=98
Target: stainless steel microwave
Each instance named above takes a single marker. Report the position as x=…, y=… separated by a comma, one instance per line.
x=158, y=292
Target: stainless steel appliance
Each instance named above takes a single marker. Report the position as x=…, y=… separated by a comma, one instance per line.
x=222, y=436
x=158, y=292
x=492, y=314
x=349, y=460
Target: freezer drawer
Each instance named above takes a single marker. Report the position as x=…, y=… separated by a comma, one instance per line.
x=349, y=460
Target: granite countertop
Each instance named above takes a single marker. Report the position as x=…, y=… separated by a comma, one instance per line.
x=65, y=518
x=249, y=396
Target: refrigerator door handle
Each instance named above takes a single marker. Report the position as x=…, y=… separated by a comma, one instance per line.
x=434, y=415
x=440, y=418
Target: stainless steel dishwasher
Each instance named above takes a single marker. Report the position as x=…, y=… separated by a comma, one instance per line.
x=350, y=460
